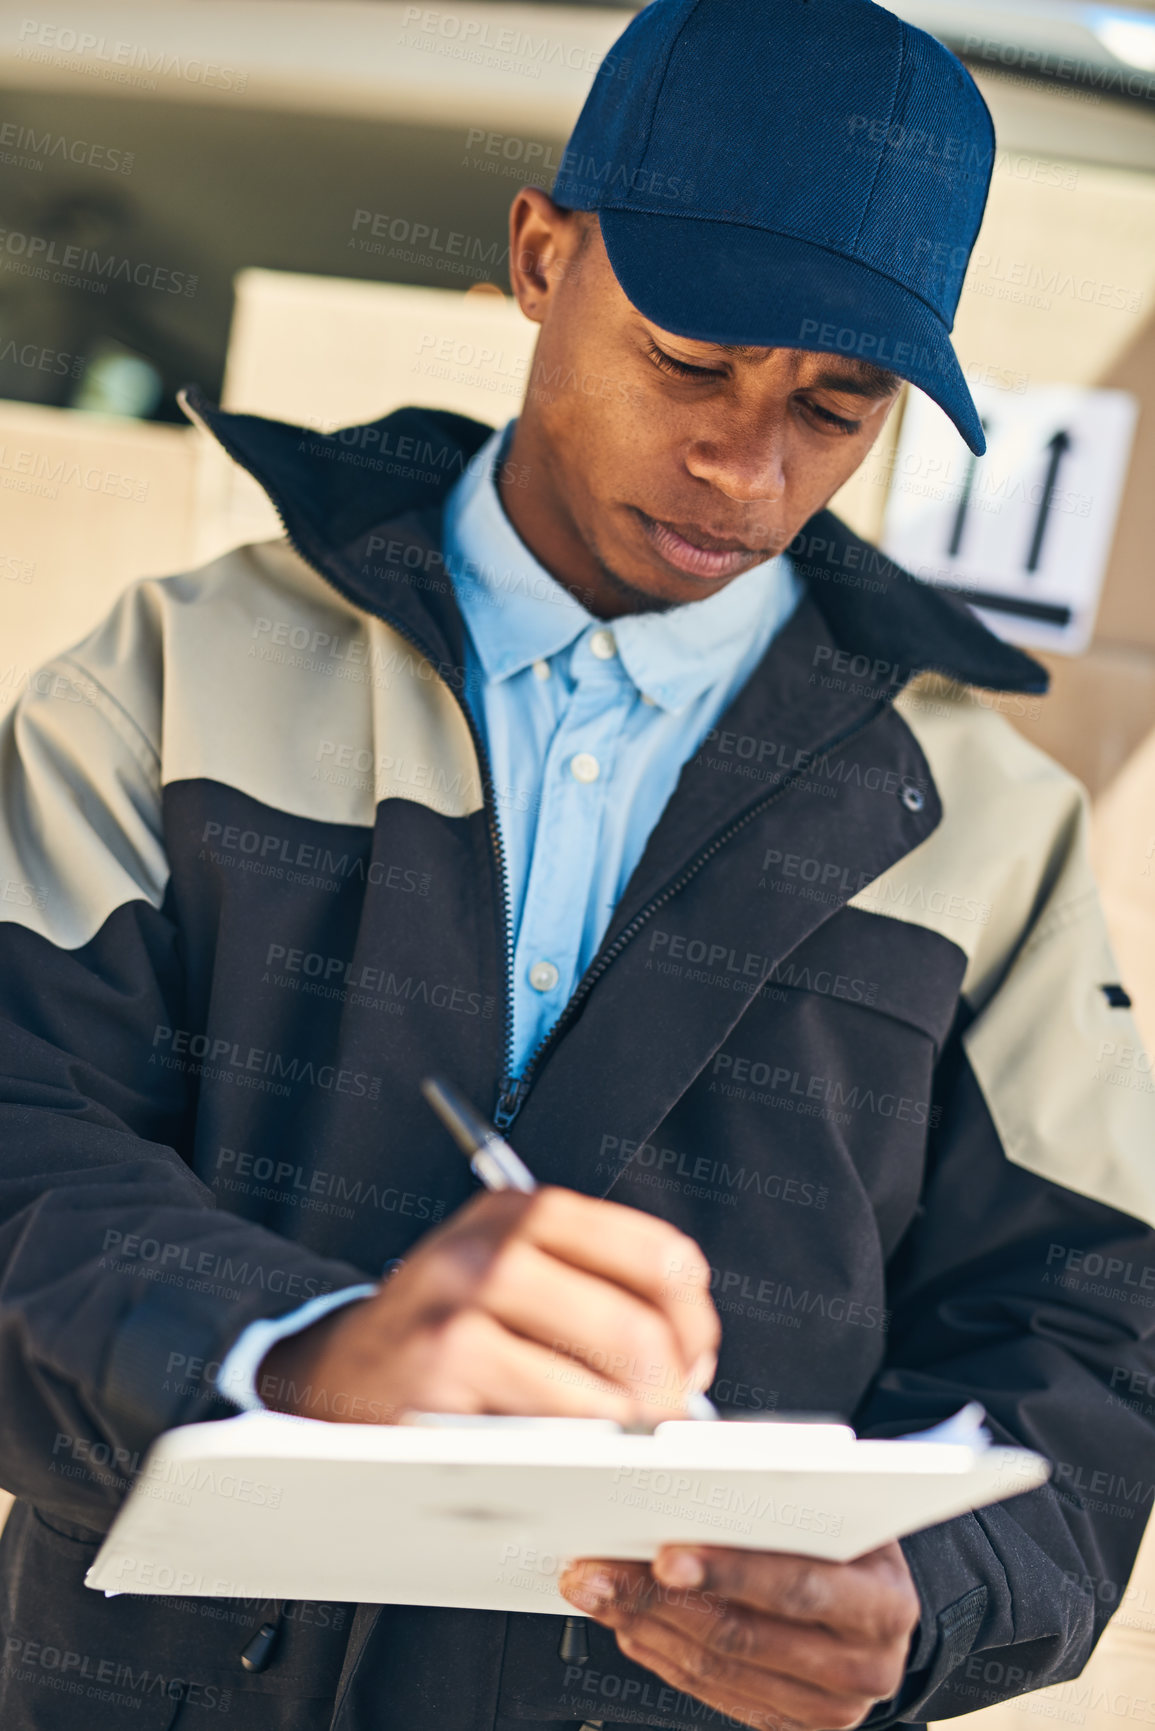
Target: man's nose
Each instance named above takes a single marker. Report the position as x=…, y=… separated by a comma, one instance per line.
x=746, y=466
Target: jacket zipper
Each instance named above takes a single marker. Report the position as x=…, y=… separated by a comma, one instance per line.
x=513, y=1089
x=495, y=841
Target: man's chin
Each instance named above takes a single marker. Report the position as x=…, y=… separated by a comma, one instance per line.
x=645, y=593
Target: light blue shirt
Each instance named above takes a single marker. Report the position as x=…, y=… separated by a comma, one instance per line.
x=587, y=724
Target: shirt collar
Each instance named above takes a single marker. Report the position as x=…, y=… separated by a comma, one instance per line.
x=518, y=614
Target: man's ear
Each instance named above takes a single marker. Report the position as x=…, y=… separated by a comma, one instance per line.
x=544, y=241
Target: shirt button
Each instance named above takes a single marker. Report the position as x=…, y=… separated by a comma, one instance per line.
x=584, y=766
x=646, y=698
x=543, y=976
x=541, y=669
x=603, y=646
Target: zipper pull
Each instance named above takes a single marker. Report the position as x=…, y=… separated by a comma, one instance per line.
x=259, y=1650
x=508, y=1105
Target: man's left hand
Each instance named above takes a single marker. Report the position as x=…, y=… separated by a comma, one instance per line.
x=772, y=1640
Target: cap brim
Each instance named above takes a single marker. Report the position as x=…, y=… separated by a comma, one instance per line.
x=720, y=282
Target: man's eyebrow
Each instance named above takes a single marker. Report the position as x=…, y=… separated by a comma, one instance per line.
x=743, y=350
x=867, y=382
x=860, y=378
x=864, y=380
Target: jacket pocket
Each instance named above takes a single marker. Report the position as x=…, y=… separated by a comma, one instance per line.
x=958, y=1628
x=66, y=1662
x=72, y=1656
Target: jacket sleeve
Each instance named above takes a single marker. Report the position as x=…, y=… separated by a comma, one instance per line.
x=1028, y=1282
x=122, y=1284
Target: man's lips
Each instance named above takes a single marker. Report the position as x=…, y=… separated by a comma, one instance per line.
x=693, y=550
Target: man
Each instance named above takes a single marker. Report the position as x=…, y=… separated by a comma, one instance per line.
x=587, y=763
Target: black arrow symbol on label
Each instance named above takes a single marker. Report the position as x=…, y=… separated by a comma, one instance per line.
x=956, y=533
x=1059, y=443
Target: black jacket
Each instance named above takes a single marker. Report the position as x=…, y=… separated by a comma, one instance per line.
x=855, y=1026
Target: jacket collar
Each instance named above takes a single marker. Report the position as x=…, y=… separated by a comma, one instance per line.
x=337, y=492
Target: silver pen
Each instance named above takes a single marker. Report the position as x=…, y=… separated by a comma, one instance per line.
x=490, y=1156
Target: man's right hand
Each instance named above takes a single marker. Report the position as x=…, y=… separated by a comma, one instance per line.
x=548, y=1304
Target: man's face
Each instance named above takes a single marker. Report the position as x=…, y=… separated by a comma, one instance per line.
x=660, y=468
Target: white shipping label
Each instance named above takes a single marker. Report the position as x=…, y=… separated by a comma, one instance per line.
x=1024, y=532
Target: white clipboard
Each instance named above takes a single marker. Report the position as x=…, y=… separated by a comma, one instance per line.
x=485, y=1514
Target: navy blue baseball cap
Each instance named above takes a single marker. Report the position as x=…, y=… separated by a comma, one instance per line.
x=805, y=174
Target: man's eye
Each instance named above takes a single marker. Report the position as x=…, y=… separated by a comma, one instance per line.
x=678, y=369
x=839, y=423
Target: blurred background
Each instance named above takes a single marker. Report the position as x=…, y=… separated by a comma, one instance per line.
x=302, y=207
